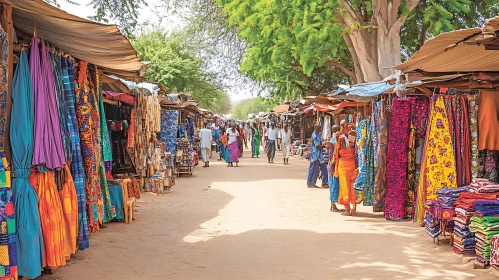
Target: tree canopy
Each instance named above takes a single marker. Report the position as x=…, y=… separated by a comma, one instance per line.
x=173, y=63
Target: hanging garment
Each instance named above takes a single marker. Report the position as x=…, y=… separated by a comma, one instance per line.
x=61, y=104
x=28, y=232
x=169, y=127
x=396, y=164
x=89, y=146
x=70, y=213
x=105, y=143
x=411, y=170
x=76, y=167
x=473, y=125
x=131, y=130
x=488, y=121
x=439, y=164
x=48, y=149
x=380, y=142
x=365, y=161
x=51, y=218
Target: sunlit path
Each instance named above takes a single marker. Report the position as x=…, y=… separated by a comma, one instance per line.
x=259, y=221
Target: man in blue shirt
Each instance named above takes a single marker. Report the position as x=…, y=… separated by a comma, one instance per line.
x=317, y=160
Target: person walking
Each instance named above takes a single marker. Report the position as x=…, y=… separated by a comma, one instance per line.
x=334, y=182
x=271, y=137
x=232, y=145
x=255, y=141
x=279, y=138
x=246, y=131
x=346, y=169
x=206, y=137
x=286, y=143
x=317, y=164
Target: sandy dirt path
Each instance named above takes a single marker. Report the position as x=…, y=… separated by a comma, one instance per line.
x=259, y=221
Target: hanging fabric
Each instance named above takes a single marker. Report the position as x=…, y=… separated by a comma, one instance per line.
x=364, y=181
x=48, y=149
x=76, y=158
x=380, y=142
x=473, y=125
x=28, y=231
x=397, y=159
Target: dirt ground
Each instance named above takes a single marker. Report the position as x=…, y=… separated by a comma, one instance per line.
x=259, y=221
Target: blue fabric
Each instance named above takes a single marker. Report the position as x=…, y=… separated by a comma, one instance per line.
x=334, y=189
x=226, y=154
x=253, y=146
x=169, y=126
x=190, y=128
x=28, y=227
x=116, y=194
x=313, y=173
x=216, y=134
x=315, y=153
x=181, y=131
x=76, y=166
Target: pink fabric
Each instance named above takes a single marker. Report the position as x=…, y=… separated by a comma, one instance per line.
x=234, y=152
x=123, y=97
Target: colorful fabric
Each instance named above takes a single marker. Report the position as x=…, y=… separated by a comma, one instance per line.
x=494, y=250
x=420, y=117
x=105, y=143
x=473, y=125
x=134, y=188
x=4, y=70
x=346, y=171
x=61, y=103
x=89, y=146
x=131, y=130
x=440, y=167
x=76, y=166
x=51, y=217
x=234, y=152
x=28, y=229
x=70, y=213
x=380, y=145
x=48, y=149
x=169, y=127
x=397, y=159
x=316, y=154
x=256, y=138
x=364, y=181
x=334, y=189
x=411, y=171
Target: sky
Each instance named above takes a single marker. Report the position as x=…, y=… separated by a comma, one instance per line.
x=146, y=14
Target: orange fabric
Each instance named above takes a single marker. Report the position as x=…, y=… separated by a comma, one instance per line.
x=488, y=120
x=51, y=218
x=70, y=211
x=346, y=171
x=224, y=139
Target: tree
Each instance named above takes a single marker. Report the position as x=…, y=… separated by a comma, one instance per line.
x=173, y=63
x=361, y=38
x=250, y=106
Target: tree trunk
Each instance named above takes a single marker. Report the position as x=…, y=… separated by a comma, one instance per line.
x=364, y=46
x=388, y=50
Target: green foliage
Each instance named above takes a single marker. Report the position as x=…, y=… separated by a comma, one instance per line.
x=250, y=106
x=173, y=63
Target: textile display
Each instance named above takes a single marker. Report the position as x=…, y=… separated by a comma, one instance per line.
x=89, y=145
x=420, y=117
x=494, y=250
x=365, y=161
x=131, y=130
x=439, y=168
x=473, y=126
x=380, y=145
x=105, y=143
x=116, y=194
x=28, y=231
x=4, y=70
x=51, y=217
x=488, y=123
x=397, y=159
x=169, y=127
x=76, y=166
x=56, y=63
x=411, y=170
x=70, y=213
x=48, y=149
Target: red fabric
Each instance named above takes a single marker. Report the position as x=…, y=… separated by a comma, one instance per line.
x=330, y=108
x=123, y=97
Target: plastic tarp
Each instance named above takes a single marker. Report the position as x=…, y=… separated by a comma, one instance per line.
x=362, y=92
x=100, y=44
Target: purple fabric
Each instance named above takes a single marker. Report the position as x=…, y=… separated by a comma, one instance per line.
x=48, y=149
x=234, y=152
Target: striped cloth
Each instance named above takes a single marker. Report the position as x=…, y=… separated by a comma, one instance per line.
x=77, y=162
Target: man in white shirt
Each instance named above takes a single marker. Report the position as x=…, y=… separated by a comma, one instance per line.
x=271, y=136
x=206, y=138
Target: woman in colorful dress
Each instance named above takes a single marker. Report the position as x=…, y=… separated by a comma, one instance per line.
x=232, y=145
x=256, y=140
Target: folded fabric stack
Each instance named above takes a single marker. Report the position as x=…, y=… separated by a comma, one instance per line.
x=494, y=251
x=432, y=224
x=483, y=186
x=485, y=225
x=448, y=197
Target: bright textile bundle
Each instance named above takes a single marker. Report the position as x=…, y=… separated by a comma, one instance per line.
x=487, y=208
x=28, y=229
x=465, y=243
x=483, y=186
x=467, y=201
x=48, y=149
x=494, y=250
x=380, y=144
x=70, y=213
x=432, y=225
x=448, y=197
x=51, y=217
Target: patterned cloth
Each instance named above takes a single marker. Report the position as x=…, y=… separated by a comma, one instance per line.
x=494, y=250
x=438, y=166
x=105, y=143
x=61, y=103
x=380, y=143
x=89, y=146
x=473, y=125
x=397, y=159
x=70, y=213
x=411, y=171
x=76, y=159
x=169, y=127
x=4, y=70
x=131, y=130
x=365, y=161
x=420, y=117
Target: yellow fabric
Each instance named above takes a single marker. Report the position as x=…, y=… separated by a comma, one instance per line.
x=439, y=161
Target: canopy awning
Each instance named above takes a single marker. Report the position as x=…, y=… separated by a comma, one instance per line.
x=331, y=108
x=281, y=108
x=100, y=44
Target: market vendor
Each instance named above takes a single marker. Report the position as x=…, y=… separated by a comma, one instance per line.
x=317, y=164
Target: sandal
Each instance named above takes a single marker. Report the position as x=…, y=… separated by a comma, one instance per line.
x=346, y=213
x=325, y=186
x=312, y=187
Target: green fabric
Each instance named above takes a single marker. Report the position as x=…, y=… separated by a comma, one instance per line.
x=107, y=155
x=257, y=142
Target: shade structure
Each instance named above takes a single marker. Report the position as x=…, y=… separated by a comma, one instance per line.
x=97, y=43
x=29, y=232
